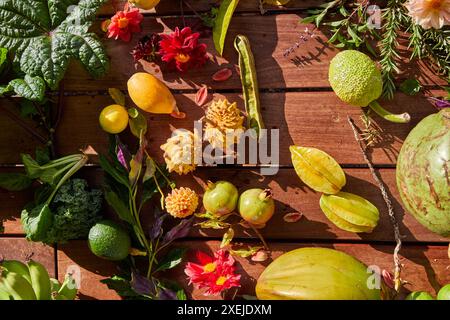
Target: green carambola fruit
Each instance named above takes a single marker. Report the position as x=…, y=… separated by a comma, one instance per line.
x=316, y=274
x=355, y=78
x=423, y=170
x=350, y=212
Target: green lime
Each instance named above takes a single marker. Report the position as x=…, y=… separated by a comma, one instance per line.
x=419, y=295
x=444, y=293
x=108, y=240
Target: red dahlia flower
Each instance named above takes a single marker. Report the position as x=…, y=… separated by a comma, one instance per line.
x=125, y=23
x=181, y=50
x=213, y=274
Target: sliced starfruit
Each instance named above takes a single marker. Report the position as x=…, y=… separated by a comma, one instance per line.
x=350, y=212
x=317, y=169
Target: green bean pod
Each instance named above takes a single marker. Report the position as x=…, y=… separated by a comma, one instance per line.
x=249, y=83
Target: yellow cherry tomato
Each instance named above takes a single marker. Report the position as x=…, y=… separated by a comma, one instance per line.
x=114, y=119
x=144, y=4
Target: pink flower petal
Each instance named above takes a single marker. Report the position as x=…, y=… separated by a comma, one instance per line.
x=201, y=96
x=222, y=75
x=260, y=256
x=388, y=278
x=292, y=217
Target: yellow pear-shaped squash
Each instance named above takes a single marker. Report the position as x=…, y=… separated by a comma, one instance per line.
x=317, y=274
x=150, y=94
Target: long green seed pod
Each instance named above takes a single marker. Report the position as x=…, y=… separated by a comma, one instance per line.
x=249, y=81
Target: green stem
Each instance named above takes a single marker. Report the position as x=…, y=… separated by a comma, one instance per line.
x=152, y=259
x=59, y=162
x=397, y=118
x=67, y=176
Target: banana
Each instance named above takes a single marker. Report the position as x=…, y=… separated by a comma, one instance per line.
x=4, y=295
x=69, y=288
x=17, y=267
x=40, y=280
x=16, y=286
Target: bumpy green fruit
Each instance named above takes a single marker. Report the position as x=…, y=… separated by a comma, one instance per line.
x=108, y=240
x=444, y=293
x=423, y=171
x=316, y=274
x=350, y=212
x=419, y=295
x=355, y=78
x=220, y=198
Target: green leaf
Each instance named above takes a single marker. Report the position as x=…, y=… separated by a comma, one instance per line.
x=113, y=172
x=32, y=168
x=15, y=181
x=117, y=96
x=245, y=253
x=410, y=87
x=227, y=238
x=150, y=169
x=46, y=34
x=3, y=58
x=138, y=122
x=309, y=19
x=4, y=89
x=30, y=88
x=119, y=207
x=37, y=221
x=27, y=108
x=172, y=259
x=121, y=286
x=222, y=22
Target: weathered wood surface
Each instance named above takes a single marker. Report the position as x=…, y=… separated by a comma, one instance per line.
x=245, y=6
x=270, y=36
x=314, y=119
x=290, y=195
x=425, y=267
x=23, y=250
x=296, y=99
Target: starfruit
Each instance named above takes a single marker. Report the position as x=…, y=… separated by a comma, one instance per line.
x=317, y=169
x=316, y=274
x=350, y=212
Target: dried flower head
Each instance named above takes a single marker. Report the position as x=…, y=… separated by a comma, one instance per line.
x=146, y=48
x=224, y=124
x=181, y=202
x=180, y=151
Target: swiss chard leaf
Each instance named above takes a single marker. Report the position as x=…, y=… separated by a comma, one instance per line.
x=45, y=34
x=222, y=22
x=37, y=221
x=15, y=181
x=30, y=88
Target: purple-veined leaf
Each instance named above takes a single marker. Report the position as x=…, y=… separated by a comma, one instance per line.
x=156, y=228
x=123, y=155
x=167, y=294
x=181, y=230
x=141, y=285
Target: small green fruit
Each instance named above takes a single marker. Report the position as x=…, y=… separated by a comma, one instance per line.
x=419, y=295
x=108, y=240
x=444, y=293
x=220, y=198
x=256, y=206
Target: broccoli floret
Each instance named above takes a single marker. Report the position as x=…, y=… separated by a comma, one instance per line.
x=76, y=209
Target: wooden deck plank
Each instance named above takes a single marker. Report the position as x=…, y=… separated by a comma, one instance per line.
x=270, y=36
x=290, y=195
x=424, y=267
x=167, y=7
x=21, y=249
x=314, y=119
